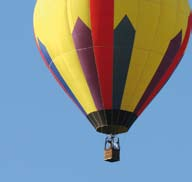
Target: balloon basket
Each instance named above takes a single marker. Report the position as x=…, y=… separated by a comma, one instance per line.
x=112, y=155
x=112, y=149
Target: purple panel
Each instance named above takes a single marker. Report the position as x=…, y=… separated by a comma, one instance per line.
x=83, y=42
x=163, y=67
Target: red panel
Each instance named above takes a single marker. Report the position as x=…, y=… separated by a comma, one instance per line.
x=171, y=68
x=102, y=20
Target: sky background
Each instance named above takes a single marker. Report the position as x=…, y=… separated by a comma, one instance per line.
x=37, y=119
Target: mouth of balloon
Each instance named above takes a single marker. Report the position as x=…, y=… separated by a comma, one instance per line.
x=112, y=121
x=112, y=129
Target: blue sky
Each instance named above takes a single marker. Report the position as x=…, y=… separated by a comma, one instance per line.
x=37, y=120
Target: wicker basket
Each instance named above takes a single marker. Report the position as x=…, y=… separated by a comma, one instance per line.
x=112, y=155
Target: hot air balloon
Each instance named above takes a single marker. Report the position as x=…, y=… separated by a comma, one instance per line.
x=112, y=57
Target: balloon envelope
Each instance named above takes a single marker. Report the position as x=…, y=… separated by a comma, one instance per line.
x=112, y=56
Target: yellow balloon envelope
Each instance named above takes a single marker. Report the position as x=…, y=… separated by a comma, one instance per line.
x=112, y=56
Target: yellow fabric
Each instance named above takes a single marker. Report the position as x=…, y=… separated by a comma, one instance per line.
x=52, y=27
x=156, y=22
x=78, y=8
